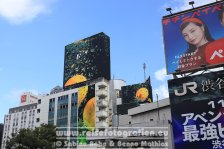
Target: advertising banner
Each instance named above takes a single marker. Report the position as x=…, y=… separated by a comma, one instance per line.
x=197, y=108
x=141, y=92
x=86, y=111
x=194, y=39
x=134, y=95
x=87, y=59
x=195, y=88
x=199, y=124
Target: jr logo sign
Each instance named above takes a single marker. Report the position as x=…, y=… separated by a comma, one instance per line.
x=190, y=85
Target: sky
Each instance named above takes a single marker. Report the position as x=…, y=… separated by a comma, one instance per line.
x=33, y=35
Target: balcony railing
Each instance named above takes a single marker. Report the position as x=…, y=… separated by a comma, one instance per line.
x=102, y=124
x=101, y=114
x=101, y=93
x=102, y=103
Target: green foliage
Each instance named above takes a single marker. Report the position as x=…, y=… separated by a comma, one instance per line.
x=42, y=137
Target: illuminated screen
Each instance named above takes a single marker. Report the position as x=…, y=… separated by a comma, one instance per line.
x=87, y=59
x=194, y=39
x=134, y=95
x=197, y=106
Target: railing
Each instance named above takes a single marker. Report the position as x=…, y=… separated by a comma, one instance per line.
x=102, y=93
x=102, y=103
x=101, y=113
x=101, y=124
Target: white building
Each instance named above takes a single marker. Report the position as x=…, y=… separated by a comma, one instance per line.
x=151, y=117
x=20, y=117
x=115, y=98
x=60, y=108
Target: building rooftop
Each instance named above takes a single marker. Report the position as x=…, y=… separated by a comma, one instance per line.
x=149, y=107
x=21, y=108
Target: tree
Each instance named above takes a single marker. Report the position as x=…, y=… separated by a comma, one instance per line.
x=42, y=137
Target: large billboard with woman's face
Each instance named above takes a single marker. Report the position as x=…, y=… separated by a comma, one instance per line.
x=194, y=39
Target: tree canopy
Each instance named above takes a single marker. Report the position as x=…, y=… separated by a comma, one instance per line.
x=42, y=137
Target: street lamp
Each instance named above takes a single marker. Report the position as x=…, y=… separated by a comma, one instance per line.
x=169, y=9
x=192, y=4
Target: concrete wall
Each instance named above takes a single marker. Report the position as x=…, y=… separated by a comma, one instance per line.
x=161, y=114
x=157, y=114
x=123, y=120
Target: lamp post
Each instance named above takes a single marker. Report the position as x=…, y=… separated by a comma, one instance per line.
x=192, y=4
x=169, y=9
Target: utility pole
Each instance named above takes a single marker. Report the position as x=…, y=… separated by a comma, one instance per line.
x=144, y=68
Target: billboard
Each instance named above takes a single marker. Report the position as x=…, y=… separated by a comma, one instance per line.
x=87, y=59
x=86, y=106
x=134, y=95
x=86, y=112
x=195, y=88
x=197, y=106
x=194, y=39
x=23, y=98
x=199, y=128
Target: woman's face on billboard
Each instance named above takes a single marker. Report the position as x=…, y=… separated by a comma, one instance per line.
x=194, y=34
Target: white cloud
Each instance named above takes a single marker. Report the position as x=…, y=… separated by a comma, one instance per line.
x=19, y=11
x=161, y=91
x=161, y=75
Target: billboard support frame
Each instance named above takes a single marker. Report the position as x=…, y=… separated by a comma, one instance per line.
x=203, y=69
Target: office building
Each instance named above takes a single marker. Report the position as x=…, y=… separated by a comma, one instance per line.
x=1, y=133
x=23, y=116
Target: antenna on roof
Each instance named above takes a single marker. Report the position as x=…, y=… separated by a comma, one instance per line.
x=144, y=68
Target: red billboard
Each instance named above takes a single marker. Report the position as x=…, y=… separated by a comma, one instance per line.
x=23, y=98
x=194, y=39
